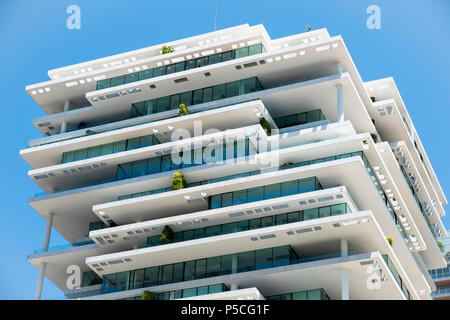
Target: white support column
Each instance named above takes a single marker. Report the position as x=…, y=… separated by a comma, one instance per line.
x=340, y=67
x=344, y=248
x=66, y=108
x=48, y=231
x=344, y=285
x=233, y=286
x=340, y=103
x=40, y=282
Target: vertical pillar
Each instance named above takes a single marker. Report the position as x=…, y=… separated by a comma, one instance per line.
x=340, y=67
x=48, y=231
x=344, y=248
x=344, y=285
x=340, y=103
x=40, y=282
x=234, y=286
x=66, y=108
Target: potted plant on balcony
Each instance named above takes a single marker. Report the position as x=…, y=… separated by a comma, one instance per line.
x=167, y=234
x=147, y=295
x=374, y=137
x=441, y=246
x=166, y=49
x=266, y=126
x=183, y=110
x=178, y=181
x=390, y=240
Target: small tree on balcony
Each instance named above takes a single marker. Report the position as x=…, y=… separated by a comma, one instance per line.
x=374, y=137
x=183, y=110
x=441, y=246
x=390, y=240
x=178, y=181
x=266, y=126
x=166, y=49
x=167, y=234
x=147, y=295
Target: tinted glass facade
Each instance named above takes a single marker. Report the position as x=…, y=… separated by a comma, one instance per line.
x=299, y=118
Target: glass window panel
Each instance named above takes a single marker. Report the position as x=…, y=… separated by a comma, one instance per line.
x=119, y=146
x=246, y=261
x=249, y=85
x=132, y=77
x=281, y=219
x=170, y=69
x=166, y=163
x=216, y=201
x=153, y=165
x=189, y=270
x=191, y=292
x=159, y=71
x=122, y=280
x=255, y=49
x=107, y=148
x=198, y=96
x=227, y=199
x=229, y=227
x=289, y=188
x=139, y=168
x=239, y=197
x=94, y=151
x=302, y=295
x=188, y=235
x=150, y=106
x=102, y=84
x=215, y=58
x=232, y=89
x=202, y=290
x=207, y=94
x=272, y=191
x=146, y=74
x=174, y=101
x=314, y=294
x=117, y=81
x=148, y=140
x=241, y=52
x=163, y=104
x=213, y=267
x=138, y=281
x=124, y=171
x=286, y=296
x=190, y=64
x=263, y=258
x=324, y=212
x=266, y=222
x=226, y=56
x=186, y=98
x=199, y=233
x=311, y=214
x=255, y=224
x=178, y=272
x=200, y=62
x=219, y=92
x=293, y=217
x=280, y=256
x=212, y=231
x=242, y=225
x=301, y=118
x=68, y=156
x=215, y=288
x=80, y=154
x=338, y=209
x=133, y=143
x=226, y=263
x=200, y=269
x=306, y=185
x=291, y=120
x=313, y=115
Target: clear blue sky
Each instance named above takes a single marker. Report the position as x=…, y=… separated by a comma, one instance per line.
x=413, y=47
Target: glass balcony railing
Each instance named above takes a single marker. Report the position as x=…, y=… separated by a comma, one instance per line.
x=437, y=274
x=187, y=293
x=181, y=66
x=315, y=294
x=64, y=246
x=397, y=276
x=299, y=118
x=251, y=224
x=205, y=268
x=445, y=291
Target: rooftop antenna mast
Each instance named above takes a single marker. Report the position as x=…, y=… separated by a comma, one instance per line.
x=215, y=18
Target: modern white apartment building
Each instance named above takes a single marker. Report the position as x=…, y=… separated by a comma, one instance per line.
x=338, y=200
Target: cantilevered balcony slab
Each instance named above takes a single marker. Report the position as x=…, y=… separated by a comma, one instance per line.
x=314, y=238
x=395, y=124
x=236, y=116
x=432, y=256
x=200, y=219
x=88, y=171
x=240, y=294
x=324, y=274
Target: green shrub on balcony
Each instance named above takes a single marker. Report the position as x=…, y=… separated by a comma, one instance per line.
x=374, y=137
x=441, y=246
x=183, y=110
x=178, y=181
x=166, y=49
x=167, y=234
x=390, y=240
x=147, y=295
x=266, y=126
x=372, y=98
